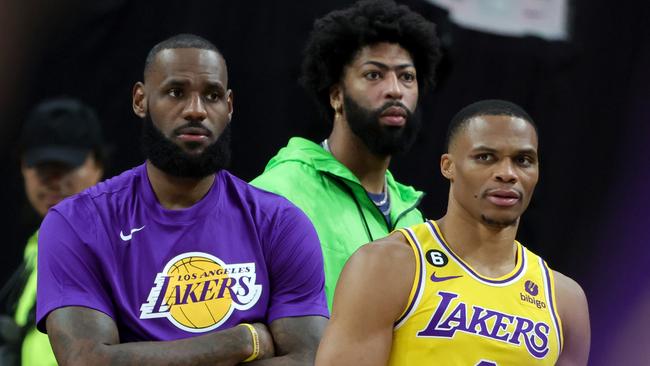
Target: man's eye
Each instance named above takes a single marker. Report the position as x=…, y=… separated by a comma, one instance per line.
x=372, y=75
x=175, y=92
x=212, y=96
x=484, y=157
x=524, y=160
x=408, y=76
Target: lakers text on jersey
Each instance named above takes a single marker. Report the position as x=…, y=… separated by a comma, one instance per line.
x=455, y=316
x=198, y=292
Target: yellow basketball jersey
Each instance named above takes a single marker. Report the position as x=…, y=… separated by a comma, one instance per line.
x=455, y=316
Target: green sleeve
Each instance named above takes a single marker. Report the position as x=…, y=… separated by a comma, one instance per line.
x=36, y=349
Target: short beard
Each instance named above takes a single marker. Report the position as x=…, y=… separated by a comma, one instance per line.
x=501, y=224
x=381, y=140
x=171, y=159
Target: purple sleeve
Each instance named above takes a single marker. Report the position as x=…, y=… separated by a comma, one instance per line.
x=296, y=268
x=69, y=272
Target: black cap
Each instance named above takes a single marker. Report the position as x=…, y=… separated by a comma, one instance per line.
x=60, y=130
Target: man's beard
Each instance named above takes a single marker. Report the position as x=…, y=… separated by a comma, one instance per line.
x=381, y=140
x=171, y=159
x=499, y=223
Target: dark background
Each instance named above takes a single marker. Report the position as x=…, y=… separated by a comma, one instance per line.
x=590, y=97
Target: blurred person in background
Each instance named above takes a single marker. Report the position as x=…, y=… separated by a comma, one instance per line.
x=61, y=153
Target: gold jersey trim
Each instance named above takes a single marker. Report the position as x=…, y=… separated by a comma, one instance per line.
x=520, y=259
x=418, y=279
x=550, y=294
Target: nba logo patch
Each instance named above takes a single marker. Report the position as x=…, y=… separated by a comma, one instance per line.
x=197, y=292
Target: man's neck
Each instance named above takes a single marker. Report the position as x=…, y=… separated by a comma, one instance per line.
x=488, y=249
x=348, y=149
x=175, y=193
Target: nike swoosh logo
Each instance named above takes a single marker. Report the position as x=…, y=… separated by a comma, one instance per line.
x=128, y=237
x=435, y=278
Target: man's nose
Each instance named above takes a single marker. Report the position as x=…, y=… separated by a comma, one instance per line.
x=195, y=108
x=52, y=176
x=394, y=87
x=63, y=179
x=506, y=172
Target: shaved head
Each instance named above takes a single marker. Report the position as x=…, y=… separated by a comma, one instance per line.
x=184, y=40
x=490, y=107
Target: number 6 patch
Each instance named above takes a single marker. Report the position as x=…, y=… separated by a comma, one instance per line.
x=437, y=258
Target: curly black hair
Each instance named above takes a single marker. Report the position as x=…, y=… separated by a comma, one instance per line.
x=338, y=36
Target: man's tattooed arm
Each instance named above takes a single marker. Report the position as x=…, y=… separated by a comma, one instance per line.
x=296, y=340
x=83, y=336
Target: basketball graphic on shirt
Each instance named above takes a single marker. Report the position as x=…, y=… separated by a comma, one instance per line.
x=201, y=279
x=198, y=292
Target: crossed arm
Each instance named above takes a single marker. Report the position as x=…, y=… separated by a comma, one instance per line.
x=83, y=336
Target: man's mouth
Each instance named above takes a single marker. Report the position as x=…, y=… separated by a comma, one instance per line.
x=193, y=134
x=394, y=116
x=503, y=197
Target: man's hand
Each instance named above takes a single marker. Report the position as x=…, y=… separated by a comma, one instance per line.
x=295, y=340
x=84, y=336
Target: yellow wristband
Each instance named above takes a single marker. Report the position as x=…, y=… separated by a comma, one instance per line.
x=256, y=343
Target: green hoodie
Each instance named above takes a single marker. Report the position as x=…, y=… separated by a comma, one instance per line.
x=335, y=202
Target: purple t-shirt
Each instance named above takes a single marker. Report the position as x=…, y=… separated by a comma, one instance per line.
x=240, y=254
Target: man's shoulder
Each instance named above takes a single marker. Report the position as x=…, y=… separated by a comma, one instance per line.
x=370, y=262
x=296, y=160
x=293, y=179
x=117, y=188
x=290, y=179
x=126, y=179
x=390, y=250
x=258, y=199
x=298, y=149
x=567, y=287
x=274, y=216
x=401, y=191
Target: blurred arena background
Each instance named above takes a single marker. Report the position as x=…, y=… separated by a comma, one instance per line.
x=581, y=68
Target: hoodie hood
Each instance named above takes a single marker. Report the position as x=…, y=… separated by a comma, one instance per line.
x=314, y=155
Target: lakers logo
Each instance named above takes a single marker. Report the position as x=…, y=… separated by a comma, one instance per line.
x=198, y=292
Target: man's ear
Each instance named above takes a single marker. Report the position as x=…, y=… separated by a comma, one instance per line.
x=447, y=166
x=139, y=100
x=336, y=99
x=229, y=100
